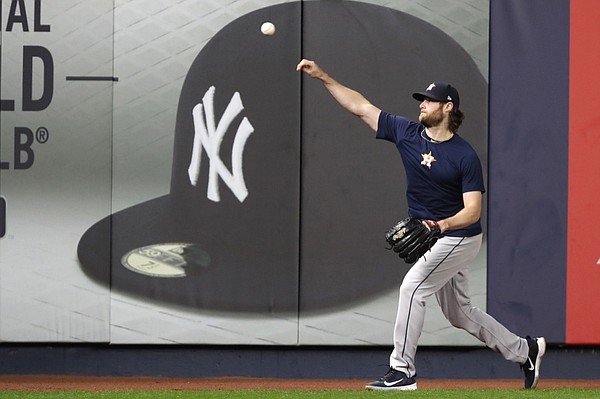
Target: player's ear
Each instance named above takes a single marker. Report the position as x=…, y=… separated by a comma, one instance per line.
x=449, y=106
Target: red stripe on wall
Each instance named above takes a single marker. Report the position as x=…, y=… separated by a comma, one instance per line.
x=583, y=246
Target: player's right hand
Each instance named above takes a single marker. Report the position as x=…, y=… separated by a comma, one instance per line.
x=311, y=68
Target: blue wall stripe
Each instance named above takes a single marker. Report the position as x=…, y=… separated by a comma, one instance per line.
x=528, y=165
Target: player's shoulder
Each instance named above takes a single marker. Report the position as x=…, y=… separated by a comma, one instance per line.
x=396, y=126
x=461, y=143
x=464, y=151
x=396, y=119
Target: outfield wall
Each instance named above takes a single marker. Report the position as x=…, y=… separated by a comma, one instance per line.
x=309, y=362
x=168, y=178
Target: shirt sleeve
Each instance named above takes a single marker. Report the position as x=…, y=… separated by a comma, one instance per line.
x=392, y=128
x=472, y=174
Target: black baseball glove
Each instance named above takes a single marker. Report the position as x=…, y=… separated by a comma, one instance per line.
x=412, y=237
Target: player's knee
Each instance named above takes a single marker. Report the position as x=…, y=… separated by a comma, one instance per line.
x=412, y=292
x=461, y=318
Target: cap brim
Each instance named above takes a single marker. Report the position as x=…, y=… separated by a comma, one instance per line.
x=422, y=96
x=234, y=274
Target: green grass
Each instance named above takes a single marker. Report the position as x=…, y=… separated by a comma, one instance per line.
x=438, y=394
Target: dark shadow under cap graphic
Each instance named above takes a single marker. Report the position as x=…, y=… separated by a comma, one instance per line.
x=274, y=203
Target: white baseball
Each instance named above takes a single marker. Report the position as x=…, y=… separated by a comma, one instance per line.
x=267, y=29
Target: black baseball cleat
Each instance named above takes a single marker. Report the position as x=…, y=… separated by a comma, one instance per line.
x=393, y=380
x=531, y=368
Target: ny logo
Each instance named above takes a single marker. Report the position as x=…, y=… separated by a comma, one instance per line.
x=209, y=136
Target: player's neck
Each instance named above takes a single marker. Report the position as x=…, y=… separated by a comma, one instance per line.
x=439, y=133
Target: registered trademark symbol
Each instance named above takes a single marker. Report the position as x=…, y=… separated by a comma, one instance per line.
x=42, y=135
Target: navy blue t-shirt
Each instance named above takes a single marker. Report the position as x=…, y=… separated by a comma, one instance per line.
x=437, y=174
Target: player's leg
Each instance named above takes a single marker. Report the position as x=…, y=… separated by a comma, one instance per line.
x=407, y=329
x=456, y=305
x=429, y=274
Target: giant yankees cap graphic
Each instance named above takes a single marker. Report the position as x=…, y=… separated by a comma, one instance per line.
x=277, y=203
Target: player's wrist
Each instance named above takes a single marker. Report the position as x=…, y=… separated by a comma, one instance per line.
x=443, y=225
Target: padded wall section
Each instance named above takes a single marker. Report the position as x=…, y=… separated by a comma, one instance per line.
x=583, y=269
x=528, y=150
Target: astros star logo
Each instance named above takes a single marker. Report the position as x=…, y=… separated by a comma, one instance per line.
x=428, y=159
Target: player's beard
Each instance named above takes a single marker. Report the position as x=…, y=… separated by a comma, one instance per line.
x=432, y=119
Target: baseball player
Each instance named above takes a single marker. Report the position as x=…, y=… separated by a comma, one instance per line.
x=444, y=189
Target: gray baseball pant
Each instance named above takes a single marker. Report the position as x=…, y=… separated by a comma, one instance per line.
x=443, y=272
